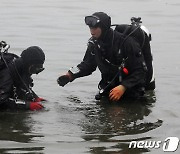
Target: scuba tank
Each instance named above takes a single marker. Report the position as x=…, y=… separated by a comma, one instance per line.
x=142, y=35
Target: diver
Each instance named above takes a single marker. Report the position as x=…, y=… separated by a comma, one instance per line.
x=15, y=78
x=119, y=59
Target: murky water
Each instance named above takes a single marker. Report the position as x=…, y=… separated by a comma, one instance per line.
x=73, y=121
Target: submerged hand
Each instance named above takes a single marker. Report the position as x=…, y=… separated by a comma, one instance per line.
x=117, y=92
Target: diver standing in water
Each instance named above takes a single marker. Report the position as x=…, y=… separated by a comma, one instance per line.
x=15, y=78
x=119, y=59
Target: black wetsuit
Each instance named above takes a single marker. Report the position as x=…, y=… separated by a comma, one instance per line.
x=108, y=54
x=15, y=94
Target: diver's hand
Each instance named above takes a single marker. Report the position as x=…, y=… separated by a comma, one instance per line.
x=117, y=92
x=64, y=79
x=33, y=106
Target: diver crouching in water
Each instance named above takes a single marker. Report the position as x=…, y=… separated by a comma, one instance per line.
x=119, y=59
x=16, y=82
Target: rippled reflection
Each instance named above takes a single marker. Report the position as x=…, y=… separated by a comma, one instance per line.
x=107, y=121
x=16, y=133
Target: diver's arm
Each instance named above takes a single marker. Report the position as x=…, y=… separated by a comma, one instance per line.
x=9, y=98
x=6, y=90
x=85, y=68
x=13, y=103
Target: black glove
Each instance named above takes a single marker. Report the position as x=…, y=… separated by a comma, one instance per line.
x=63, y=80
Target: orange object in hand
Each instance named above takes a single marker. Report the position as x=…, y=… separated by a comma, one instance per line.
x=117, y=92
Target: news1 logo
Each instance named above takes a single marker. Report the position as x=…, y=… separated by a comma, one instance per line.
x=170, y=144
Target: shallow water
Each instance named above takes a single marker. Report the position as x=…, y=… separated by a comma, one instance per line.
x=73, y=121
